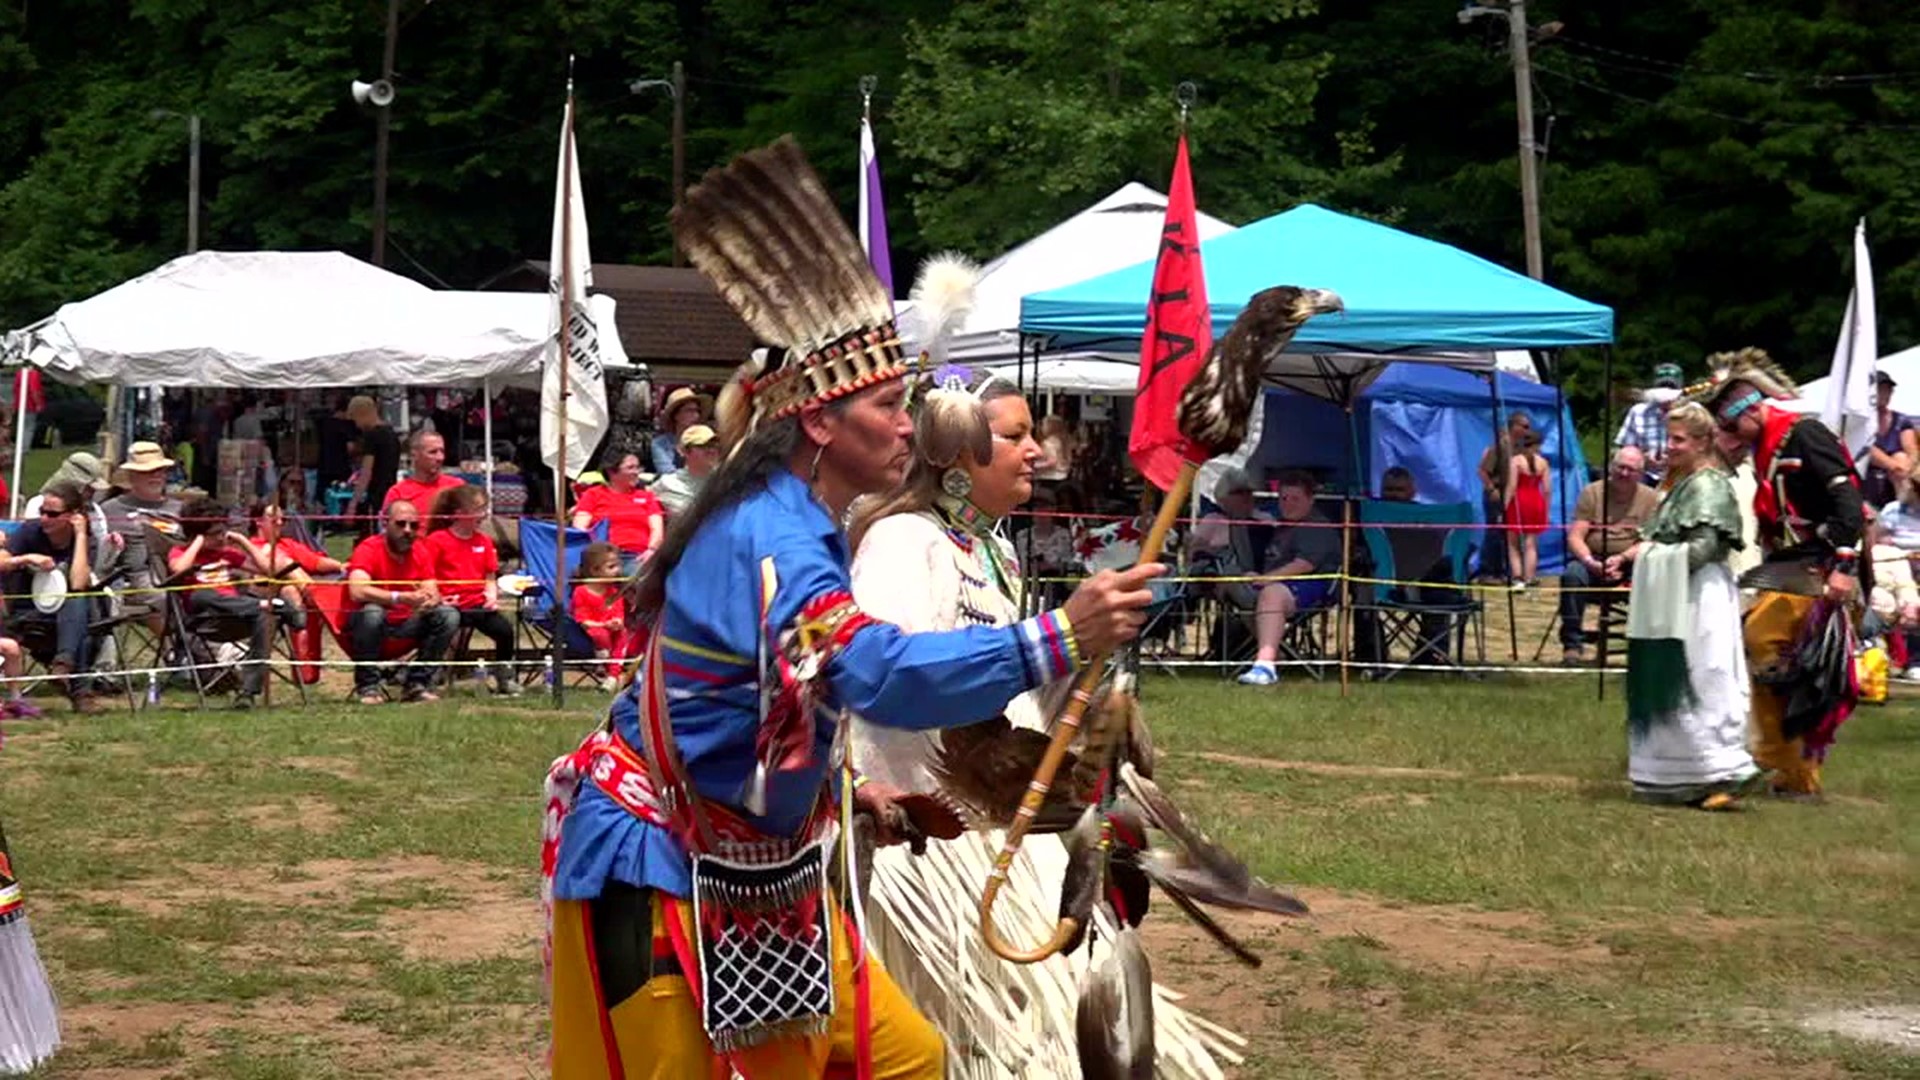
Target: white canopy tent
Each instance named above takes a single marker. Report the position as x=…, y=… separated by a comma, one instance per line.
x=1115, y=232
x=292, y=321
x=1903, y=366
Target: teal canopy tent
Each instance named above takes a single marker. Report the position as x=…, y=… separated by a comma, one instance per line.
x=1404, y=293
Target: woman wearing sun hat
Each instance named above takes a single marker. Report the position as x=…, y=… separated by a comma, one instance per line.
x=685, y=407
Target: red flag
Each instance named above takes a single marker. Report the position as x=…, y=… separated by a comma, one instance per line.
x=1179, y=335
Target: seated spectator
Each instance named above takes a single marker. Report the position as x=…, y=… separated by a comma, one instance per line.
x=601, y=611
x=143, y=501
x=1894, y=605
x=684, y=408
x=426, y=481
x=89, y=477
x=1601, y=530
x=57, y=539
x=1304, y=548
x=289, y=558
x=1231, y=542
x=219, y=561
x=1423, y=572
x=14, y=704
x=635, y=520
x=390, y=584
x=467, y=567
x=700, y=448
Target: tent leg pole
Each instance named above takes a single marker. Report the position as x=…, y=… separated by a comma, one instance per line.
x=486, y=413
x=1606, y=443
x=1346, y=588
x=19, y=438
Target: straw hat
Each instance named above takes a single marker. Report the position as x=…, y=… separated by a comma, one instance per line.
x=142, y=457
x=81, y=469
x=682, y=396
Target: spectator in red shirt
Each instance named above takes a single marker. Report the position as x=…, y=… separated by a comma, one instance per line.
x=600, y=611
x=635, y=519
x=425, y=483
x=467, y=568
x=390, y=581
x=217, y=562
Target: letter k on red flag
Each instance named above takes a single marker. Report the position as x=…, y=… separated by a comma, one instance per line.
x=1178, y=337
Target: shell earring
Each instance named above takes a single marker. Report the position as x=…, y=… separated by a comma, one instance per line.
x=956, y=483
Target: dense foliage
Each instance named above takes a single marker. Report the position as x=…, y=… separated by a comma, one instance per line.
x=1704, y=160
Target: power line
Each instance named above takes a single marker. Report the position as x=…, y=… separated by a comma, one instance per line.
x=1653, y=65
x=1675, y=106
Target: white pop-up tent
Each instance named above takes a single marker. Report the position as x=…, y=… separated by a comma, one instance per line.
x=283, y=320
x=1115, y=232
x=294, y=320
x=1903, y=367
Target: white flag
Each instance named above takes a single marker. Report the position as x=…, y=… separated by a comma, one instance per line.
x=586, y=396
x=1849, y=406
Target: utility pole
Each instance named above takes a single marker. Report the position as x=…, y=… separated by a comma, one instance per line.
x=679, y=147
x=1529, y=162
x=382, y=123
x=193, y=183
x=1520, y=44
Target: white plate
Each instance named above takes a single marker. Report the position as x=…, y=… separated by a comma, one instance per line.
x=516, y=584
x=49, y=590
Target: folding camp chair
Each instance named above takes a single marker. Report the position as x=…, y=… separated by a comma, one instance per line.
x=328, y=600
x=37, y=643
x=187, y=636
x=541, y=610
x=1432, y=616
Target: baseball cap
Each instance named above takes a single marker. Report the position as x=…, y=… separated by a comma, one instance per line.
x=697, y=435
x=1667, y=375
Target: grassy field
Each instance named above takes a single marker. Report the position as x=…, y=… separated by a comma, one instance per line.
x=344, y=891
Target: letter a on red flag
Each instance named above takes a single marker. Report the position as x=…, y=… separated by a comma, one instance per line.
x=1179, y=335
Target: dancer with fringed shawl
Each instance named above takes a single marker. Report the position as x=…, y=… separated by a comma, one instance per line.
x=1799, y=632
x=1687, y=692
x=692, y=930
x=29, y=1019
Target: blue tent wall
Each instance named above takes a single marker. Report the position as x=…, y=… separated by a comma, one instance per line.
x=1434, y=421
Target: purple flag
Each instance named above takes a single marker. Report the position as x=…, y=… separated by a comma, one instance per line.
x=873, y=213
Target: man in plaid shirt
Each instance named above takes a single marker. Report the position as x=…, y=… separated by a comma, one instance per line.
x=1646, y=423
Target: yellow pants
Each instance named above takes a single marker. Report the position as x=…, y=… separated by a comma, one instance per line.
x=655, y=1033
x=1772, y=628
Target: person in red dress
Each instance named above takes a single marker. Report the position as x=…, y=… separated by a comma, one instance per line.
x=1527, y=474
x=599, y=609
x=467, y=567
x=426, y=481
x=636, y=522
x=392, y=595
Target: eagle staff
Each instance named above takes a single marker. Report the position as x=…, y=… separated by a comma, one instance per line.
x=1212, y=420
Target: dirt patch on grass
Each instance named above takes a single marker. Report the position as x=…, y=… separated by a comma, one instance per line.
x=308, y=815
x=337, y=767
x=1329, y=997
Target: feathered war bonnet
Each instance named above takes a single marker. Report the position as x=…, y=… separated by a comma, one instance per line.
x=1738, y=381
x=765, y=232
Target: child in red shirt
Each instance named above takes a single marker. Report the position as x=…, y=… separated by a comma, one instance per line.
x=467, y=567
x=217, y=562
x=599, y=610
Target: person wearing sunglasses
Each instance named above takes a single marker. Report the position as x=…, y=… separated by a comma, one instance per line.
x=390, y=583
x=56, y=539
x=1812, y=520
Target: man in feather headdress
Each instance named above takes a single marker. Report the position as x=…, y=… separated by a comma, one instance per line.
x=1811, y=521
x=686, y=845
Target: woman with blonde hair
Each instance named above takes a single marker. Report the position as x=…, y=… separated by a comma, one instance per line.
x=1687, y=691
x=929, y=556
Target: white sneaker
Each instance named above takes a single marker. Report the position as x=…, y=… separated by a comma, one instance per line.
x=1912, y=674
x=1259, y=675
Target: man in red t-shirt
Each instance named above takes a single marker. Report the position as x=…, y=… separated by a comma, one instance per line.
x=216, y=561
x=636, y=522
x=425, y=483
x=390, y=583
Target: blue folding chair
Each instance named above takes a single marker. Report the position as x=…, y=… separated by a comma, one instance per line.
x=1433, y=615
x=544, y=606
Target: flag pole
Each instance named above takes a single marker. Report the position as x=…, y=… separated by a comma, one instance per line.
x=565, y=359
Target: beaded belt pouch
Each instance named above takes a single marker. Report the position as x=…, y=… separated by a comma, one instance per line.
x=766, y=947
